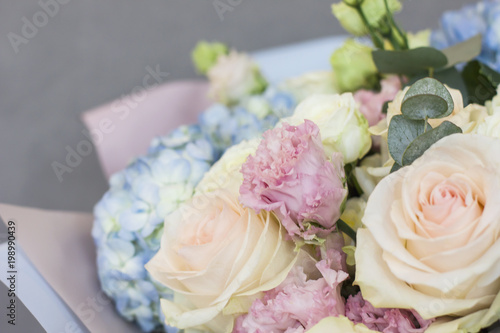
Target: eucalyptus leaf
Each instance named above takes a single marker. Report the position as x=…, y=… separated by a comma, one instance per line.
x=449, y=76
x=425, y=87
x=424, y=106
x=396, y=167
x=408, y=62
x=402, y=132
x=426, y=140
x=464, y=51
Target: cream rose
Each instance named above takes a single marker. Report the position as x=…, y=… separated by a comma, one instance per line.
x=343, y=128
x=225, y=173
x=217, y=256
x=432, y=241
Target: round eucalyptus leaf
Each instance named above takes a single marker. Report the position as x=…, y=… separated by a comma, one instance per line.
x=402, y=132
x=429, y=86
x=424, y=106
x=424, y=141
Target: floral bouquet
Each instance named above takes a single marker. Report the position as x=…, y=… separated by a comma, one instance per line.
x=365, y=199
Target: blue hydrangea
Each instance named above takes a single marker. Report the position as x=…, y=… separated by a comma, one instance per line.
x=228, y=126
x=481, y=18
x=129, y=218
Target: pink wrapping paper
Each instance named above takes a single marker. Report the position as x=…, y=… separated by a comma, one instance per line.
x=133, y=121
x=60, y=246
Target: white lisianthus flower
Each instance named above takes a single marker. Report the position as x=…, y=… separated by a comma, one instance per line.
x=342, y=127
x=490, y=126
x=234, y=77
x=493, y=106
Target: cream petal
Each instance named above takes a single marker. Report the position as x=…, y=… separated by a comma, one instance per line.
x=482, y=273
x=448, y=260
x=207, y=319
x=470, y=323
x=377, y=216
x=383, y=289
x=422, y=247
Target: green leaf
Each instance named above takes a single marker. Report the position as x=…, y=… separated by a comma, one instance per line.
x=402, y=132
x=395, y=167
x=449, y=76
x=408, y=62
x=429, y=107
x=424, y=106
x=464, y=51
x=427, y=139
x=481, y=82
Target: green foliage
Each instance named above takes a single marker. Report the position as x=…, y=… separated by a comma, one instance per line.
x=427, y=98
x=408, y=62
x=480, y=81
x=427, y=139
x=402, y=132
x=426, y=59
x=410, y=135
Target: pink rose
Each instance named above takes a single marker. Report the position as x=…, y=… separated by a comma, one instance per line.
x=291, y=175
x=300, y=301
x=371, y=102
x=383, y=320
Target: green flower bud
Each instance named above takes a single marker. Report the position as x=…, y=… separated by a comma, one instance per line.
x=373, y=10
x=205, y=55
x=354, y=67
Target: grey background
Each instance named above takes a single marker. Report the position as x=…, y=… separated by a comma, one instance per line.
x=93, y=51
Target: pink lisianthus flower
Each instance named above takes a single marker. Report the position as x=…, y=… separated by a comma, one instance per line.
x=371, y=102
x=291, y=175
x=299, y=302
x=384, y=320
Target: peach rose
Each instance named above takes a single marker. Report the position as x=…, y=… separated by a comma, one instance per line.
x=432, y=241
x=217, y=256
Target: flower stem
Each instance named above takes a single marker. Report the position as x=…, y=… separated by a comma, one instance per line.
x=346, y=229
x=400, y=32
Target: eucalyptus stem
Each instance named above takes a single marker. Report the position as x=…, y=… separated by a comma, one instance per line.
x=402, y=34
x=346, y=229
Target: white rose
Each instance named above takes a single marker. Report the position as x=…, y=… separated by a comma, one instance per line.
x=233, y=77
x=432, y=241
x=343, y=128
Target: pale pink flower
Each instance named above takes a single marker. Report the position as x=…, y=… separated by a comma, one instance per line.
x=371, y=102
x=299, y=302
x=291, y=175
x=384, y=320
